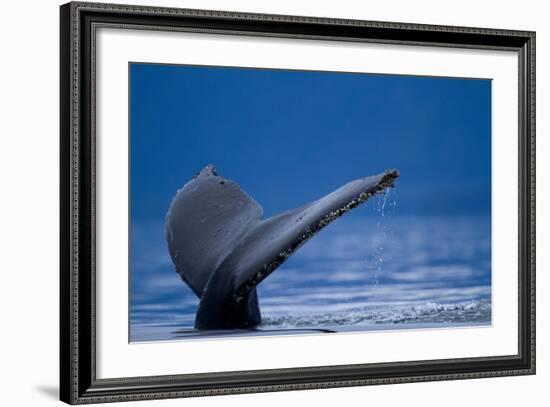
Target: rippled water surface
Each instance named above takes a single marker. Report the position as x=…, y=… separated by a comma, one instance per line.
x=367, y=271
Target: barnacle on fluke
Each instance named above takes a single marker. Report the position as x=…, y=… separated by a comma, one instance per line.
x=222, y=248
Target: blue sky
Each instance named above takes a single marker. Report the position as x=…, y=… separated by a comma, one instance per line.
x=288, y=137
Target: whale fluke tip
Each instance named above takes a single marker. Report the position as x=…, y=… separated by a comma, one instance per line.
x=210, y=169
x=388, y=178
x=393, y=172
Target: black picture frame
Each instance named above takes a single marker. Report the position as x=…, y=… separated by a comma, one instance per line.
x=78, y=382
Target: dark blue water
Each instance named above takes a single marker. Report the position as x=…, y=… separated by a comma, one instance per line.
x=370, y=270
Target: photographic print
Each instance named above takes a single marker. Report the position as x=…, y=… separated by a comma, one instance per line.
x=277, y=202
x=332, y=188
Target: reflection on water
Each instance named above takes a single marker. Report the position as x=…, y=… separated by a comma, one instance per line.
x=361, y=273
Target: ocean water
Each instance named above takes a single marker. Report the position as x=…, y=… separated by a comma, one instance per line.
x=370, y=270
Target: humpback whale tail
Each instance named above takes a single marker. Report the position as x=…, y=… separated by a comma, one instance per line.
x=222, y=248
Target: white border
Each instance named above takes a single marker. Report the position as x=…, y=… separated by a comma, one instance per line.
x=117, y=358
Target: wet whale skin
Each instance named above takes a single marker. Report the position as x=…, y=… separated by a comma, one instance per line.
x=223, y=248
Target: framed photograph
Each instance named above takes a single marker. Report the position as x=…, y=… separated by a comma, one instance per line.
x=254, y=203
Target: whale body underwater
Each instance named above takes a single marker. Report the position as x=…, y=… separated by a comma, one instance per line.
x=222, y=248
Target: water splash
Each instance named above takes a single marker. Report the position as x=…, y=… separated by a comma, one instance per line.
x=467, y=311
x=384, y=204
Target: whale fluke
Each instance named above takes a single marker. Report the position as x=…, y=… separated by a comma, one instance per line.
x=222, y=248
